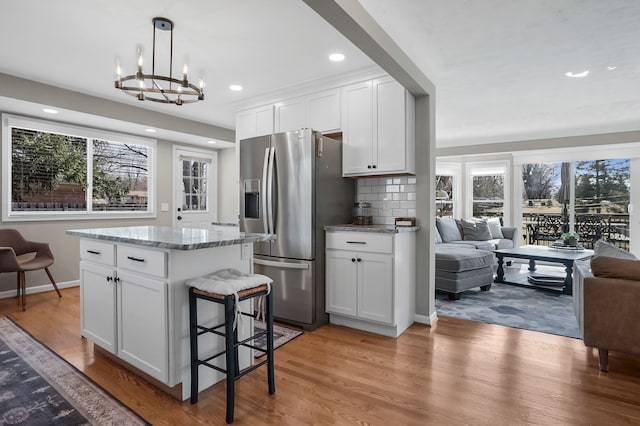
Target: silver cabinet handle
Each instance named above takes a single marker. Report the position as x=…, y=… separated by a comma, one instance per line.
x=285, y=265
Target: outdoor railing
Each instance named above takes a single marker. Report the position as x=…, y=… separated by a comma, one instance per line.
x=544, y=229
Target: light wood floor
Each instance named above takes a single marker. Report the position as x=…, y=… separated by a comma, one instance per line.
x=457, y=372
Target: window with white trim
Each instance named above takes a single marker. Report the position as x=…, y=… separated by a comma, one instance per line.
x=58, y=171
x=487, y=189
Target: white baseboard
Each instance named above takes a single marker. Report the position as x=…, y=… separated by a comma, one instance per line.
x=39, y=289
x=424, y=319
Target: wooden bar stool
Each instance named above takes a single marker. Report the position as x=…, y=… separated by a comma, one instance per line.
x=231, y=315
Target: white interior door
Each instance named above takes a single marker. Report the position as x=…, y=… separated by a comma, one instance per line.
x=195, y=183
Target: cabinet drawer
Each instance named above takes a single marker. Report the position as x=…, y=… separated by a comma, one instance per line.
x=360, y=241
x=142, y=260
x=99, y=252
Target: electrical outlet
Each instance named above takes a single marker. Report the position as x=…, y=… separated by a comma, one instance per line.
x=246, y=251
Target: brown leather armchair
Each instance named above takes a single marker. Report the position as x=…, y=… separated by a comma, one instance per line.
x=611, y=316
x=19, y=255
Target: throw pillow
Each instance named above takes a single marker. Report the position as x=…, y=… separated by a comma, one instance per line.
x=495, y=227
x=437, y=235
x=613, y=267
x=475, y=231
x=448, y=229
x=603, y=248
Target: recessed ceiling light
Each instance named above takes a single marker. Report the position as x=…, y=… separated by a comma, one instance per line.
x=50, y=110
x=577, y=74
x=336, y=57
x=235, y=87
x=212, y=142
x=611, y=68
x=150, y=130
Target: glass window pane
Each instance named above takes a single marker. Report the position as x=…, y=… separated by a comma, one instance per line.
x=194, y=184
x=48, y=171
x=120, y=176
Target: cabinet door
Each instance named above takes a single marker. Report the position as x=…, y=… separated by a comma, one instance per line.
x=389, y=129
x=98, y=305
x=357, y=122
x=142, y=324
x=341, y=282
x=291, y=115
x=324, y=111
x=375, y=287
x=254, y=122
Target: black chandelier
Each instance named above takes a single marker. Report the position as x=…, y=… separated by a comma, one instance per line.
x=160, y=88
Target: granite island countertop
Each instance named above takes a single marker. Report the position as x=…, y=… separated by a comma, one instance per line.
x=385, y=229
x=171, y=238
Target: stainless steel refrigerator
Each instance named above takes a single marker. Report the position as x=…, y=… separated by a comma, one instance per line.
x=291, y=185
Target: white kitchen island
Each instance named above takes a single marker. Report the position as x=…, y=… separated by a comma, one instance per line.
x=134, y=302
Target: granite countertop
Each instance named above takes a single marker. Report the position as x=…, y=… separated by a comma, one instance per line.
x=385, y=229
x=171, y=238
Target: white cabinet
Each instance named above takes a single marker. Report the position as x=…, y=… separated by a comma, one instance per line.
x=370, y=280
x=142, y=323
x=124, y=303
x=378, y=122
x=254, y=122
x=319, y=111
x=98, y=304
x=291, y=114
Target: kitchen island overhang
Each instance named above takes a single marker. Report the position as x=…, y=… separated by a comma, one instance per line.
x=133, y=300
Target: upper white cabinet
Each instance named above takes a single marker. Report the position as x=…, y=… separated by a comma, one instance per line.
x=319, y=111
x=254, y=122
x=378, y=125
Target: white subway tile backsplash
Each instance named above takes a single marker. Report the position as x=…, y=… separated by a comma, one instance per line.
x=390, y=197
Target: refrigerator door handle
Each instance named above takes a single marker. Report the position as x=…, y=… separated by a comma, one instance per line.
x=284, y=265
x=264, y=201
x=270, y=188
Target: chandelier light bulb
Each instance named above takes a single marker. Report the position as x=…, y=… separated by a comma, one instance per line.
x=185, y=70
x=202, y=83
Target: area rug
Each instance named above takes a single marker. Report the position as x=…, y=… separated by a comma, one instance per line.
x=37, y=387
x=281, y=335
x=514, y=306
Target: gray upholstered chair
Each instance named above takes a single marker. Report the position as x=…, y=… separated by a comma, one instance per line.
x=19, y=255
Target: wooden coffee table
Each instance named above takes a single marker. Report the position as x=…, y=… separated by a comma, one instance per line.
x=547, y=254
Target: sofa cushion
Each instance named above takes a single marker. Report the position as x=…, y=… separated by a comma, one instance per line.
x=448, y=229
x=437, y=235
x=475, y=230
x=454, y=245
x=501, y=243
x=463, y=259
x=495, y=227
x=603, y=248
x=481, y=245
x=613, y=267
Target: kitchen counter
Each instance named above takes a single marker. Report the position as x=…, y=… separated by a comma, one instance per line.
x=385, y=229
x=172, y=238
x=134, y=302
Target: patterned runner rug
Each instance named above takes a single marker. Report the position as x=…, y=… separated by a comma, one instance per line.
x=281, y=335
x=513, y=306
x=37, y=387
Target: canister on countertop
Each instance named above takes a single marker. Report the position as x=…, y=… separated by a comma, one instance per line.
x=362, y=213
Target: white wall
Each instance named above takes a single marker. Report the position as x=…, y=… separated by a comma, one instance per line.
x=228, y=189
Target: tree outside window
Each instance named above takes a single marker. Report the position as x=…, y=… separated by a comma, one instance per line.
x=488, y=195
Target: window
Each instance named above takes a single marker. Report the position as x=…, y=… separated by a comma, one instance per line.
x=488, y=186
x=194, y=184
x=55, y=171
x=447, y=189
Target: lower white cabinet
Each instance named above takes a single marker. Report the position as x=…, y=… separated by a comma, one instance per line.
x=98, y=304
x=124, y=312
x=142, y=323
x=370, y=280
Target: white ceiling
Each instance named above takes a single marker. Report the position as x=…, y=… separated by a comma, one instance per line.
x=498, y=65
